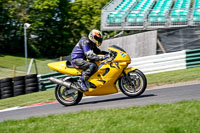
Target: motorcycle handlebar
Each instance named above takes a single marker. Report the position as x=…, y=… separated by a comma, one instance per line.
x=112, y=57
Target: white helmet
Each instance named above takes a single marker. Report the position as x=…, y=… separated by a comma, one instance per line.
x=96, y=37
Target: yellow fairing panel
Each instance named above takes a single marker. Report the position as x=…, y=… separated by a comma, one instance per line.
x=103, y=90
x=62, y=68
x=121, y=57
x=106, y=82
x=129, y=69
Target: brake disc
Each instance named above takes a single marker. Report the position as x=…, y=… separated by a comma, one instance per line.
x=67, y=92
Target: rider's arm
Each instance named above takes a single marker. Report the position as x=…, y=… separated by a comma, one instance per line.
x=98, y=51
x=89, y=53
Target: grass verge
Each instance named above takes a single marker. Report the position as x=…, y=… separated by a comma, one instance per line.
x=11, y=66
x=182, y=117
x=174, y=76
x=8, y=61
x=28, y=99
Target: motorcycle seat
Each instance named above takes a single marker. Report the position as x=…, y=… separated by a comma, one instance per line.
x=69, y=64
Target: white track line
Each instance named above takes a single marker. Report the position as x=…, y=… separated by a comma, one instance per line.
x=9, y=109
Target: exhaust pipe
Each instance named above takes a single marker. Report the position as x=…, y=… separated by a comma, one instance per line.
x=66, y=83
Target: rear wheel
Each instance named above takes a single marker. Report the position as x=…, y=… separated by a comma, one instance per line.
x=133, y=84
x=67, y=96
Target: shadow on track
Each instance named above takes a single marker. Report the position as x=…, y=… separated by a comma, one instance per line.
x=116, y=99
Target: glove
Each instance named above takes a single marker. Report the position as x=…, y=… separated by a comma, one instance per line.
x=107, y=56
x=104, y=57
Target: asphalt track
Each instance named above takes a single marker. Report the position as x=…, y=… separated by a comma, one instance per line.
x=119, y=100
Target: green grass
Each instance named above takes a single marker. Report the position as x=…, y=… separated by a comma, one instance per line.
x=174, y=76
x=41, y=67
x=7, y=61
x=182, y=117
x=29, y=99
x=5, y=73
x=11, y=66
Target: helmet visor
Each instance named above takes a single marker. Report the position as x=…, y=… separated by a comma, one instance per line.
x=99, y=39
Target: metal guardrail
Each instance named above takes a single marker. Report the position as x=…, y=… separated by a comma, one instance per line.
x=193, y=58
x=160, y=63
x=44, y=82
x=167, y=62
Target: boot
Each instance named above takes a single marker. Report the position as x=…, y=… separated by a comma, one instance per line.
x=82, y=84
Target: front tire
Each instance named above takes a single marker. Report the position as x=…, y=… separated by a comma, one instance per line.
x=66, y=96
x=135, y=85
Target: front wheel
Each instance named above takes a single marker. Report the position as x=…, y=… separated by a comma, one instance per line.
x=67, y=96
x=133, y=84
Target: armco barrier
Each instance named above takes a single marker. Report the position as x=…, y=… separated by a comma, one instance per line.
x=45, y=83
x=193, y=58
x=167, y=62
x=160, y=63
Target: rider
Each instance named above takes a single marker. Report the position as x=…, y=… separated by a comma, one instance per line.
x=87, y=48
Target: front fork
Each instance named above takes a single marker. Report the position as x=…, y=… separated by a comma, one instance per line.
x=130, y=81
x=126, y=72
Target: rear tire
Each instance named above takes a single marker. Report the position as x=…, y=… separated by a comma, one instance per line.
x=137, y=85
x=69, y=99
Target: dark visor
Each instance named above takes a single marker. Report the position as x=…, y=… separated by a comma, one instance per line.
x=98, y=39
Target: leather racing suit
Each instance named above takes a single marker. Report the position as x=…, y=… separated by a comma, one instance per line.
x=86, y=49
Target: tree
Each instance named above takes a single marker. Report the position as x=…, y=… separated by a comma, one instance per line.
x=56, y=25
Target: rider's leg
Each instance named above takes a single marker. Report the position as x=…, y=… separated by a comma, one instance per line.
x=86, y=74
x=88, y=67
x=89, y=71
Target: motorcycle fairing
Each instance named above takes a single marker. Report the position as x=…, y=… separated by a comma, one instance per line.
x=62, y=68
x=121, y=56
x=127, y=70
x=106, y=78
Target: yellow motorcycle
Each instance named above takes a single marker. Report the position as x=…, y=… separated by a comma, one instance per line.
x=111, y=74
